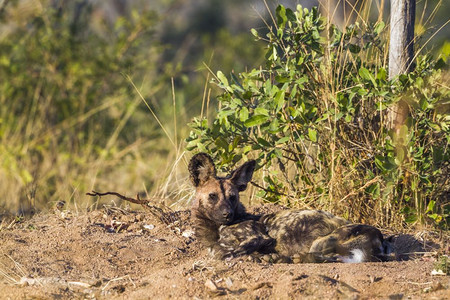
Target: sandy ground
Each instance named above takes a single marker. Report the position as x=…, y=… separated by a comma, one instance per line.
x=117, y=254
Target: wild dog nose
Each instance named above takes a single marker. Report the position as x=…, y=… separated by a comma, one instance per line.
x=228, y=215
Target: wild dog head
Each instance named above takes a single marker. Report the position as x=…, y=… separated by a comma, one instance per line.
x=217, y=198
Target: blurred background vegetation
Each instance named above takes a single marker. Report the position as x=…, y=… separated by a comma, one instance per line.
x=97, y=94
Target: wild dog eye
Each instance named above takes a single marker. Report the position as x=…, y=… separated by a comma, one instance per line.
x=213, y=197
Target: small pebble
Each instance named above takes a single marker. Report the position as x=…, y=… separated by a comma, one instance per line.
x=266, y=257
x=211, y=285
x=187, y=233
x=228, y=282
x=275, y=256
x=296, y=261
x=148, y=226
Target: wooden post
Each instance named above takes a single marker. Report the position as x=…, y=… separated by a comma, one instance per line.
x=401, y=53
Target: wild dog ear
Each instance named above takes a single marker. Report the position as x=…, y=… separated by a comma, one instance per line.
x=201, y=169
x=242, y=175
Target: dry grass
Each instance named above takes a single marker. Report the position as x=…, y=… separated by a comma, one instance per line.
x=10, y=270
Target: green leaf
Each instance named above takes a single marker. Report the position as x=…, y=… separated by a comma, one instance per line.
x=282, y=79
x=243, y=114
x=374, y=190
x=278, y=153
x=290, y=15
x=247, y=149
x=365, y=74
x=274, y=53
x=354, y=48
x=381, y=74
x=281, y=16
x=423, y=103
x=223, y=79
x=403, y=78
x=263, y=142
x=437, y=218
x=236, y=81
x=236, y=142
x=411, y=218
x=362, y=92
x=254, y=32
x=279, y=99
x=283, y=140
x=274, y=126
x=261, y=111
x=312, y=135
x=379, y=27
x=256, y=120
x=302, y=80
x=191, y=145
x=221, y=142
x=379, y=162
x=430, y=206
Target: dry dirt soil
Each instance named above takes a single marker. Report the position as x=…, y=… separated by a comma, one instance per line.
x=120, y=254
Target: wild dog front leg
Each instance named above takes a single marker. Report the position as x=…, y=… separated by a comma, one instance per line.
x=245, y=238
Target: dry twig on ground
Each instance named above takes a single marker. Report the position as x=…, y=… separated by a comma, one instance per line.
x=165, y=214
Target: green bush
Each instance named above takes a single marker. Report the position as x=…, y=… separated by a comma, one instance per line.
x=315, y=119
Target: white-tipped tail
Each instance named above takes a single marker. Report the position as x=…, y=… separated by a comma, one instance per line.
x=356, y=256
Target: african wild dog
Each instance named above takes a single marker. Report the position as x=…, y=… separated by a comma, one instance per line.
x=216, y=201
x=222, y=224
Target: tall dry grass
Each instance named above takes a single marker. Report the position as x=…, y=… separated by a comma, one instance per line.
x=72, y=119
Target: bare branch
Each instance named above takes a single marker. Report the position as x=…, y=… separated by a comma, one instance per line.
x=165, y=214
x=132, y=200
